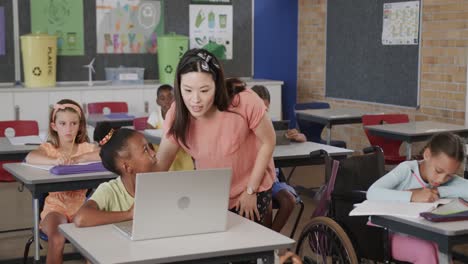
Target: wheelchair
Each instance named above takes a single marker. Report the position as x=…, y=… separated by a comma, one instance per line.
x=332, y=236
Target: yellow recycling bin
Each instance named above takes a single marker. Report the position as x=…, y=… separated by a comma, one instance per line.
x=39, y=59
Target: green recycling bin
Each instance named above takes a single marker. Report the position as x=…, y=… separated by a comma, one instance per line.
x=171, y=48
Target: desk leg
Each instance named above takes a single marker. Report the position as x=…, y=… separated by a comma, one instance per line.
x=445, y=258
x=329, y=134
x=408, y=150
x=36, y=230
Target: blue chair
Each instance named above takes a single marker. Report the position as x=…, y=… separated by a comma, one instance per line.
x=313, y=131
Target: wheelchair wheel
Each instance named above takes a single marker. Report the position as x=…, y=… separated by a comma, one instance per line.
x=323, y=241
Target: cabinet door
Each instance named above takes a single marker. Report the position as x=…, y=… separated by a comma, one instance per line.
x=8, y=108
x=54, y=97
x=33, y=106
x=275, y=102
x=133, y=97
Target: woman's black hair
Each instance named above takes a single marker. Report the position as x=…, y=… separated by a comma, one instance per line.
x=114, y=148
x=448, y=143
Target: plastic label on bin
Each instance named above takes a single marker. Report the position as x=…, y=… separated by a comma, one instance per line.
x=128, y=76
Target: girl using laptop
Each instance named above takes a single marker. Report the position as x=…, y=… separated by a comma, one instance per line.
x=221, y=128
x=124, y=152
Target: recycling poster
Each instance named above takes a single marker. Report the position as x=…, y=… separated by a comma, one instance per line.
x=211, y=29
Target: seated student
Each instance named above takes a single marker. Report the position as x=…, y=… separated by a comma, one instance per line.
x=424, y=180
x=164, y=98
x=282, y=193
x=124, y=152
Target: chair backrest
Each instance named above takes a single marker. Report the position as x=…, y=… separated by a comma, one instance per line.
x=354, y=177
x=20, y=127
x=114, y=107
x=140, y=123
x=390, y=147
x=311, y=130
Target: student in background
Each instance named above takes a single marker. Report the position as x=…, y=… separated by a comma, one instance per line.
x=124, y=152
x=221, y=128
x=164, y=98
x=425, y=180
x=68, y=143
x=282, y=193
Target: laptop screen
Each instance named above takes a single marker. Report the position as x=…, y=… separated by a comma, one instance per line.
x=281, y=125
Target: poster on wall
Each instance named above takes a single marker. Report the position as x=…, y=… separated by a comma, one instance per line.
x=128, y=26
x=63, y=18
x=211, y=29
x=2, y=31
x=401, y=23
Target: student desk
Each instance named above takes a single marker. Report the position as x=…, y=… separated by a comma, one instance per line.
x=40, y=181
x=298, y=154
x=330, y=117
x=14, y=152
x=415, y=131
x=444, y=234
x=117, y=120
x=243, y=240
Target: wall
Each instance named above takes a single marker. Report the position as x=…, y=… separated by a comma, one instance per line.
x=443, y=73
x=275, y=47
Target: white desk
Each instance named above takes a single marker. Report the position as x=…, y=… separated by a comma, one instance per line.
x=330, y=117
x=40, y=181
x=243, y=240
x=415, y=131
x=444, y=234
x=14, y=152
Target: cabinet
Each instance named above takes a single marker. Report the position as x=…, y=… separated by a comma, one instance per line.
x=35, y=103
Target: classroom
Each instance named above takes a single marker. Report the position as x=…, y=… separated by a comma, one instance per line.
x=368, y=102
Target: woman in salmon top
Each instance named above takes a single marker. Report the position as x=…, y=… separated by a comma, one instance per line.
x=221, y=127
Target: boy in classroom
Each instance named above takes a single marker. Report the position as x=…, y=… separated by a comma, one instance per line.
x=282, y=193
x=424, y=180
x=67, y=143
x=165, y=98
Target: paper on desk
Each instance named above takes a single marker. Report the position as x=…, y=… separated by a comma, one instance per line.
x=395, y=208
x=25, y=140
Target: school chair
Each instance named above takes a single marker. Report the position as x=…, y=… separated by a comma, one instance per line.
x=114, y=107
x=140, y=123
x=390, y=147
x=313, y=131
x=20, y=128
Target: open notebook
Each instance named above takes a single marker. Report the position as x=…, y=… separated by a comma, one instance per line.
x=395, y=208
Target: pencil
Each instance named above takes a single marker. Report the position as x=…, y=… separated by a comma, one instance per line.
x=417, y=178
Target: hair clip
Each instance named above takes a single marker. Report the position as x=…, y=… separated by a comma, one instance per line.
x=207, y=59
x=106, y=139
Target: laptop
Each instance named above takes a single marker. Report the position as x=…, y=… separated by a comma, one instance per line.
x=281, y=128
x=179, y=203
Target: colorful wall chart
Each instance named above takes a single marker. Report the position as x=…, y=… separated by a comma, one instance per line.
x=128, y=26
x=63, y=18
x=401, y=23
x=2, y=31
x=211, y=29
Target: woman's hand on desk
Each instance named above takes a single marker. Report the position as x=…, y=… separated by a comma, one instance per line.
x=247, y=206
x=424, y=195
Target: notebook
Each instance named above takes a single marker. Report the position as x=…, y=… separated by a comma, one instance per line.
x=25, y=140
x=456, y=210
x=178, y=203
x=395, y=208
x=281, y=128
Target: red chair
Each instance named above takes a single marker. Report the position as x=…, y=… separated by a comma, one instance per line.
x=139, y=123
x=21, y=128
x=390, y=147
x=115, y=107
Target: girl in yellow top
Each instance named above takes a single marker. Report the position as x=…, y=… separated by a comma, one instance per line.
x=68, y=143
